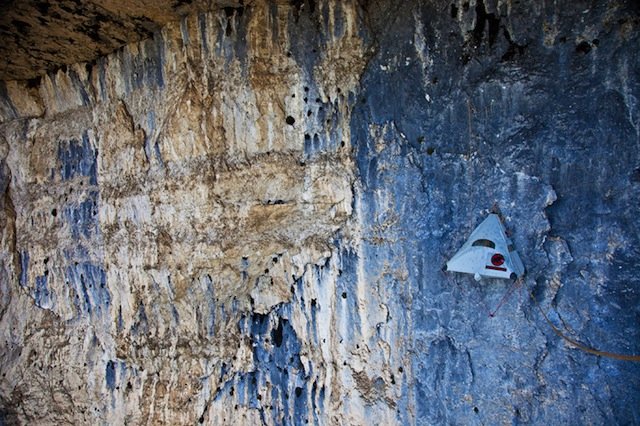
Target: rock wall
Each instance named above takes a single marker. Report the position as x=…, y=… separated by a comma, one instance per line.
x=41, y=35
x=243, y=219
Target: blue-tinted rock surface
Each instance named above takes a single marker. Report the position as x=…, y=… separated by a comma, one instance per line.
x=244, y=220
x=515, y=113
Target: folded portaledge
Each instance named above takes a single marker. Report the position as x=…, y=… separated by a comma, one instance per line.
x=488, y=253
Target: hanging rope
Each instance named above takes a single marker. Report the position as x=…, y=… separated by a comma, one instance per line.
x=579, y=345
x=510, y=290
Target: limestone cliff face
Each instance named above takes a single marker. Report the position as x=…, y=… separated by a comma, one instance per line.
x=37, y=36
x=243, y=219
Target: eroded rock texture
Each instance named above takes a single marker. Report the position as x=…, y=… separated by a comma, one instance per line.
x=243, y=219
x=37, y=36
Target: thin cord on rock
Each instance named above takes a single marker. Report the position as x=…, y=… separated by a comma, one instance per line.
x=579, y=345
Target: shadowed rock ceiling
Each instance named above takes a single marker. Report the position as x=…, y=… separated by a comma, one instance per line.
x=37, y=36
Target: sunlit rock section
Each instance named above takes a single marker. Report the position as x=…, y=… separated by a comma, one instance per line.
x=243, y=219
x=178, y=222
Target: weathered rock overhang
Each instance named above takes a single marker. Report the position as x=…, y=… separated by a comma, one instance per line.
x=244, y=218
x=40, y=36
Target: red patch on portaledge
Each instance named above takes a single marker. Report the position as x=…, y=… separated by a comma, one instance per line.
x=496, y=268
